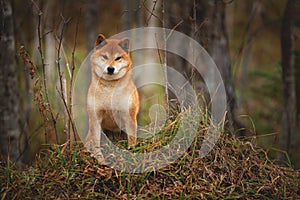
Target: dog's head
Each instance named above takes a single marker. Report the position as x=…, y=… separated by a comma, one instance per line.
x=111, y=58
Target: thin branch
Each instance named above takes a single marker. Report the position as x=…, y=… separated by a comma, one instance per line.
x=60, y=73
x=158, y=52
x=67, y=110
x=60, y=39
x=37, y=7
x=194, y=17
x=44, y=76
x=66, y=58
x=72, y=80
x=64, y=91
x=173, y=29
x=152, y=12
x=165, y=58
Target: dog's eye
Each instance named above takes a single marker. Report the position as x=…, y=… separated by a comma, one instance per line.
x=118, y=58
x=105, y=57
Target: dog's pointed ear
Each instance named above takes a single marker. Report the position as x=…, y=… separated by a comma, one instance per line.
x=124, y=44
x=100, y=41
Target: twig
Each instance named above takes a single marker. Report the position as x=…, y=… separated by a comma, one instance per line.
x=173, y=29
x=165, y=58
x=64, y=91
x=194, y=17
x=37, y=7
x=60, y=73
x=65, y=57
x=66, y=109
x=152, y=12
x=63, y=88
x=72, y=80
x=158, y=52
x=44, y=77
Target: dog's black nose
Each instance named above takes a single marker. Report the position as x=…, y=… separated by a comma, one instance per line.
x=110, y=70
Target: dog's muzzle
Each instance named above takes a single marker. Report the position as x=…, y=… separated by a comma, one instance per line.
x=110, y=70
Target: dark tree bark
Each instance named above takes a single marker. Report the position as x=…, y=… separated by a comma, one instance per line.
x=289, y=135
x=296, y=154
x=219, y=51
x=181, y=14
x=204, y=20
x=297, y=74
x=128, y=14
x=132, y=15
x=9, y=110
x=50, y=50
x=90, y=23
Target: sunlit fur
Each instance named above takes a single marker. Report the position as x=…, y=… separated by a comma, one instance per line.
x=113, y=100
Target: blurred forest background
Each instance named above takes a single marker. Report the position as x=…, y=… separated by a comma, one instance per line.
x=255, y=44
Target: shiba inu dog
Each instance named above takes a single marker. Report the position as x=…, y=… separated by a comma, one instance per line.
x=112, y=100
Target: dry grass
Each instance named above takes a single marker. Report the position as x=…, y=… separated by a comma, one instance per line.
x=232, y=170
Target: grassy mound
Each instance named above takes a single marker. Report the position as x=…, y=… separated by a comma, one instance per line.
x=232, y=170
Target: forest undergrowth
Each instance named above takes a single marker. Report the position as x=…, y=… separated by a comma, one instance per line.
x=234, y=169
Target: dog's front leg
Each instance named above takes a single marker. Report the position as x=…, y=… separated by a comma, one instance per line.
x=131, y=130
x=93, y=138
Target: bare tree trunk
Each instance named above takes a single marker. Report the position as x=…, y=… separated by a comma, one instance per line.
x=296, y=153
x=90, y=22
x=204, y=20
x=133, y=15
x=245, y=48
x=9, y=109
x=153, y=11
x=297, y=74
x=128, y=14
x=289, y=135
x=50, y=69
x=219, y=51
x=140, y=23
x=182, y=15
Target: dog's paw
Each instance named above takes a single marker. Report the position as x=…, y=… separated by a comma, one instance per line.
x=97, y=153
x=131, y=142
x=131, y=146
x=100, y=158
